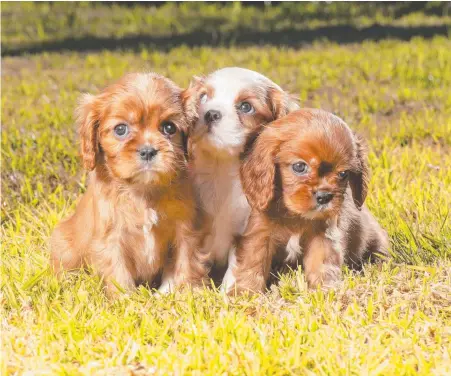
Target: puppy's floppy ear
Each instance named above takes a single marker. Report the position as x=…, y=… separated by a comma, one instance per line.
x=190, y=102
x=358, y=179
x=87, y=124
x=190, y=99
x=258, y=169
x=281, y=103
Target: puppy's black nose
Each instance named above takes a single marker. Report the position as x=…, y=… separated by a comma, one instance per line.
x=212, y=116
x=146, y=153
x=323, y=198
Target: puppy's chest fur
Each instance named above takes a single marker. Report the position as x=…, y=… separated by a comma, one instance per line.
x=293, y=236
x=221, y=195
x=150, y=224
x=139, y=230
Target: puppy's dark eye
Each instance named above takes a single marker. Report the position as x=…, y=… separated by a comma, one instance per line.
x=121, y=130
x=300, y=168
x=203, y=98
x=246, y=108
x=343, y=174
x=168, y=128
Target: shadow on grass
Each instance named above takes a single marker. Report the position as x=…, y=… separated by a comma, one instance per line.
x=238, y=37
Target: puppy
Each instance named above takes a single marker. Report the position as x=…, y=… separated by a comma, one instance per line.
x=138, y=205
x=225, y=108
x=307, y=173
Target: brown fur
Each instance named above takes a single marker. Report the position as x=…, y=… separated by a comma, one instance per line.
x=132, y=214
x=283, y=202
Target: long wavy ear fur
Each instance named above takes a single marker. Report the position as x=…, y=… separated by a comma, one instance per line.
x=281, y=103
x=258, y=170
x=87, y=124
x=190, y=99
x=358, y=179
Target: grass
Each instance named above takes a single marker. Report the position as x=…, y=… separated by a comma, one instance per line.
x=31, y=23
x=390, y=320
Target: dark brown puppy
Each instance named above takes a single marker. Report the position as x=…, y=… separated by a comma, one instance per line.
x=307, y=173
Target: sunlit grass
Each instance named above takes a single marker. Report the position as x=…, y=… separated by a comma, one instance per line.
x=390, y=320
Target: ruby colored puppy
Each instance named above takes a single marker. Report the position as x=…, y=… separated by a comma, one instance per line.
x=307, y=173
x=137, y=216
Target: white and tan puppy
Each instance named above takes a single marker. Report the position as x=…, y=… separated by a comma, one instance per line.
x=226, y=107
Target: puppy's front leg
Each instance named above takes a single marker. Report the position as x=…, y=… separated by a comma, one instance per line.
x=109, y=261
x=253, y=256
x=119, y=279
x=64, y=254
x=189, y=265
x=322, y=263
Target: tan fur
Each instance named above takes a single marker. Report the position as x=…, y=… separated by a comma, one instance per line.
x=283, y=202
x=133, y=215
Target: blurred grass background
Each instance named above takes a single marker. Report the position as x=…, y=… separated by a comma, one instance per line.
x=385, y=68
x=84, y=25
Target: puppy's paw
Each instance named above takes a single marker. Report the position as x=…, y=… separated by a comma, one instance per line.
x=167, y=286
x=328, y=278
x=229, y=280
x=113, y=293
x=228, y=283
x=332, y=279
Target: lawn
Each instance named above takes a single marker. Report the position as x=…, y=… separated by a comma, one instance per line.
x=394, y=88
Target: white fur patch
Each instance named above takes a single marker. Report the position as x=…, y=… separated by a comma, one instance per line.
x=147, y=136
x=229, y=279
x=150, y=220
x=219, y=188
x=167, y=285
x=293, y=249
x=335, y=235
